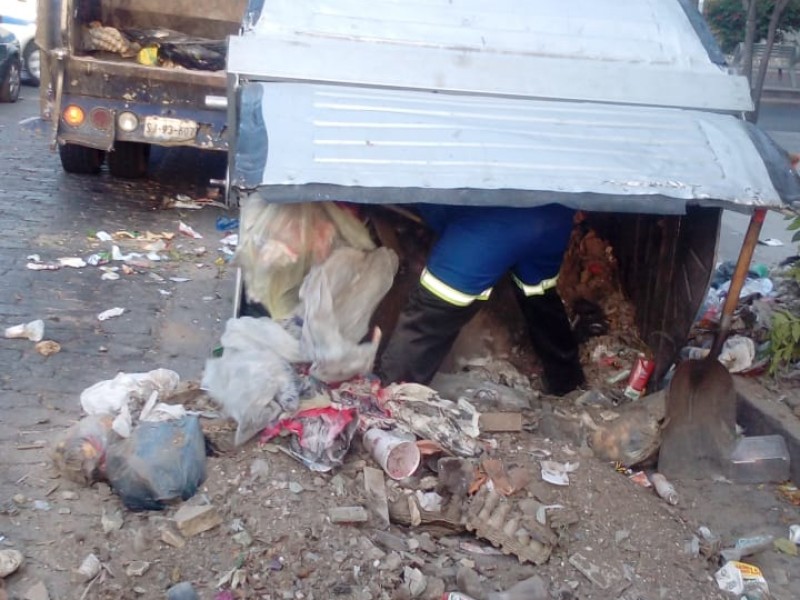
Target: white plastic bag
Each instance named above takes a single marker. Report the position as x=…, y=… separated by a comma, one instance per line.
x=251, y=381
x=279, y=243
x=111, y=395
x=338, y=299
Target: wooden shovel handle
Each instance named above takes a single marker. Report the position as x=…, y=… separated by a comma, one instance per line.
x=739, y=275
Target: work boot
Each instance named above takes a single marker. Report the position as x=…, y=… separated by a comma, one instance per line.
x=553, y=341
x=425, y=332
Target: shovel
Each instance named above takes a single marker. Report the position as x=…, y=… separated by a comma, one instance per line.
x=701, y=399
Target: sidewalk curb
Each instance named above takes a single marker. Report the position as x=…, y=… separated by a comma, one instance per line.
x=760, y=414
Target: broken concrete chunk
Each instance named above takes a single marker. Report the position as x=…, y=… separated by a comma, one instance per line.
x=173, y=538
x=602, y=576
x=10, y=561
x=377, y=502
x=495, y=422
x=192, y=520
x=137, y=568
x=348, y=514
x=37, y=591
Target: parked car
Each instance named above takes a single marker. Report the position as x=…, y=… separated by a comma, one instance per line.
x=10, y=66
x=19, y=17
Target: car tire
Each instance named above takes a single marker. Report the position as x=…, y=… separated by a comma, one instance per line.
x=31, y=61
x=9, y=89
x=128, y=160
x=80, y=159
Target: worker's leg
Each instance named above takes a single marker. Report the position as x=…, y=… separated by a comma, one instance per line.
x=549, y=329
x=463, y=265
x=425, y=332
x=552, y=339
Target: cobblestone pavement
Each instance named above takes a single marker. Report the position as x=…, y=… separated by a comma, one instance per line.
x=47, y=212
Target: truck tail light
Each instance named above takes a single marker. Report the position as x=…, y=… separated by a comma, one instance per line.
x=73, y=115
x=101, y=118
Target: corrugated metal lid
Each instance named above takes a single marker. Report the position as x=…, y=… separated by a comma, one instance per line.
x=306, y=141
x=652, y=52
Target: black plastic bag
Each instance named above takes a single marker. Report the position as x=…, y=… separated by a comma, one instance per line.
x=160, y=462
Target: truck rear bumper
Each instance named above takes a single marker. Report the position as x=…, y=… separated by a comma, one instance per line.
x=146, y=123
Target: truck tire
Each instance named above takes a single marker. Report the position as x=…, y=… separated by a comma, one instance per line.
x=80, y=159
x=128, y=160
x=9, y=88
x=31, y=58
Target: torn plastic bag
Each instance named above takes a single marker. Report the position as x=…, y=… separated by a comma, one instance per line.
x=251, y=381
x=250, y=334
x=279, y=243
x=80, y=452
x=323, y=436
x=453, y=425
x=160, y=462
x=109, y=396
x=338, y=299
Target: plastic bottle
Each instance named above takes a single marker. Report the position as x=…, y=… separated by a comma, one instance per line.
x=664, y=488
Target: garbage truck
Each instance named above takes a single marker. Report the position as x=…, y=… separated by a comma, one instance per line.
x=120, y=76
x=622, y=109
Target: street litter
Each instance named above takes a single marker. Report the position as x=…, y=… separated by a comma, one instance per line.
x=108, y=397
x=631, y=438
x=48, y=347
x=253, y=381
x=79, y=452
x=742, y=578
x=322, y=436
x=279, y=243
x=35, y=264
x=33, y=331
x=786, y=546
x=794, y=533
x=771, y=242
x=397, y=456
x=557, y=473
x=338, y=299
x=179, y=279
x=230, y=240
x=664, y=488
x=188, y=231
x=89, y=567
x=72, y=262
x=184, y=201
x=419, y=409
x=103, y=236
x=160, y=462
x=110, y=313
x=226, y=223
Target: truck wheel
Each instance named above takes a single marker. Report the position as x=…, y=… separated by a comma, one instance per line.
x=80, y=159
x=9, y=89
x=33, y=66
x=128, y=160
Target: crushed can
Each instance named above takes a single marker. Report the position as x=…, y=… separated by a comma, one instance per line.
x=640, y=375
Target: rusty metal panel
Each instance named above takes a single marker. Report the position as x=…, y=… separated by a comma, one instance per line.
x=665, y=267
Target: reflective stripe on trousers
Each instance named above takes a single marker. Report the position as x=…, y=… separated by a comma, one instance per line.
x=538, y=289
x=441, y=290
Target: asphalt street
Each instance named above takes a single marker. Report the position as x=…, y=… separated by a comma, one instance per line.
x=166, y=323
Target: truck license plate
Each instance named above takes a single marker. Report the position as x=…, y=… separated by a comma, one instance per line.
x=164, y=128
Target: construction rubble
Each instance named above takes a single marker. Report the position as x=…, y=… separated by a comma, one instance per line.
x=290, y=472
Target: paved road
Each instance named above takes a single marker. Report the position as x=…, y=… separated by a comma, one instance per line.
x=782, y=122
x=47, y=212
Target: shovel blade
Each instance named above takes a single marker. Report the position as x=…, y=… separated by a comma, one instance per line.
x=701, y=421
